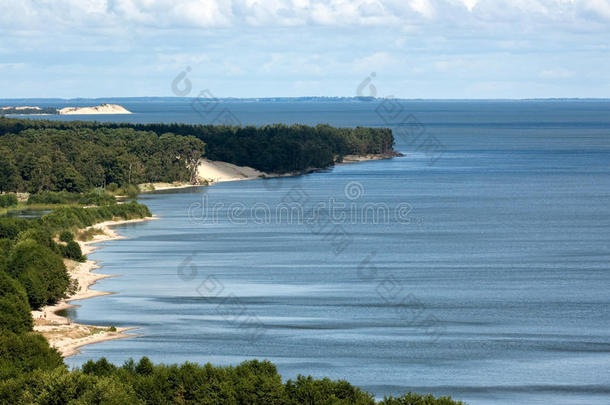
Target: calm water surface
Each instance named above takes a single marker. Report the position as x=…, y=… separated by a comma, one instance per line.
x=492, y=287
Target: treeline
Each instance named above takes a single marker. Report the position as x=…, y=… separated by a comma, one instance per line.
x=31, y=256
x=75, y=156
x=32, y=274
x=281, y=148
x=251, y=383
x=35, y=111
x=37, y=157
x=63, y=197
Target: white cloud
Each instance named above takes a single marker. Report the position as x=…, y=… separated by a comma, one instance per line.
x=58, y=14
x=423, y=7
x=600, y=8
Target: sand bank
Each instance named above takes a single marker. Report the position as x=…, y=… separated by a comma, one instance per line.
x=210, y=172
x=99, y=109
x=370, y=156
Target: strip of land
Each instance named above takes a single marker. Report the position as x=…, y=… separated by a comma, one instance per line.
x=63, y=334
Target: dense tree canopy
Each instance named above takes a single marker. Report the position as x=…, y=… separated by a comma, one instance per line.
x=30, y=255
x=23, y=353
x=77, y=156
x=281, y=148
x=250, y=383
x=14, y=309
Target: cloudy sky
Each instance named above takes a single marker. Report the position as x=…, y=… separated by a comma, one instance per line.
x=264, y=48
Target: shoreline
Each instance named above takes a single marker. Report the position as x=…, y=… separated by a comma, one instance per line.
x=67, y=336
x=61, y=332
x=212, y=172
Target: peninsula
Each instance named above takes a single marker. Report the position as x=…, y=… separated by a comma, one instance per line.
x=94, y=110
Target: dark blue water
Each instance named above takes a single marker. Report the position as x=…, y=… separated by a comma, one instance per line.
x=481, y=271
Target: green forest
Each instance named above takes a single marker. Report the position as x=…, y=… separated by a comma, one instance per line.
x=81, y=158
x=33, y=274
x=72, y=169
x=42, y=155
x=27, y=111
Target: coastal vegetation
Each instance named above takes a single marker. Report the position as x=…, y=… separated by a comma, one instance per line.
x=8, y=200
x=32, y=250
x=42, y=155
x=79, y=159
x=282, y=148
x=28, y=110
x=45, y=381
x=33, y=274
x=76, y=169
x=98, y=197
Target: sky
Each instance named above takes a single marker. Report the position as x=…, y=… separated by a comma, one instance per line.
x=285, y=48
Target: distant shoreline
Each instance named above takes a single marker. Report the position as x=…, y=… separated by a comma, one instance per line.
x=26, y=111
x=292, y=99
x=67, y=336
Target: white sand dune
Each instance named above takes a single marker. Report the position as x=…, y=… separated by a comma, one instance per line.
x=216, y=172
x=210, y=172
x=100, y=109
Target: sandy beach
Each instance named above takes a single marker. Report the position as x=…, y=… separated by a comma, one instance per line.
x=63, y=334
x=67, y=336
x=210, y=172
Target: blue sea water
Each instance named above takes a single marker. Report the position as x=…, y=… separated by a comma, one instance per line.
x=488, y=280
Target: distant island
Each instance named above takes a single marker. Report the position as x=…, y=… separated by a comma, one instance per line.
x=27, y=110
x=33, y=110
x=100, y=109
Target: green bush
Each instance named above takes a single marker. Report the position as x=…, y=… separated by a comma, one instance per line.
x=307, y=390
x=97, y=197
x=50, y=197
x=5, y=248
x=41, y=235
x=112, y=187
x=66, y=236
x=100, y=368
x=26, y=352
x=8, y=200
x=417, y=399
x=73, y=218
x=15, y=313
x=10, y=227
x=58, y=386
x=73, y=251
x=40, y=270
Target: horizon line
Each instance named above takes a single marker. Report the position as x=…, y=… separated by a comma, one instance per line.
x=353, y=98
